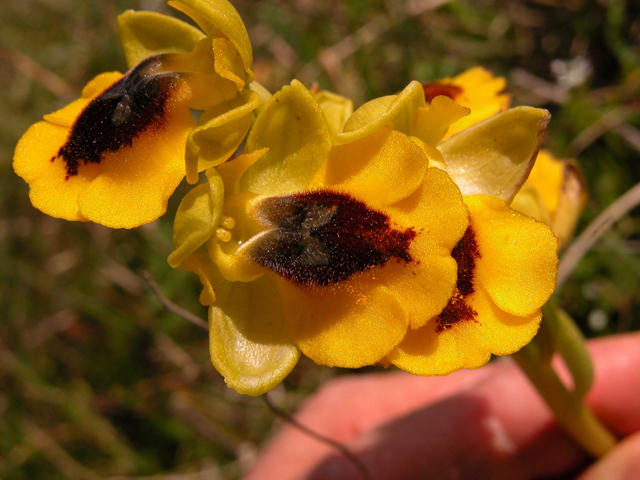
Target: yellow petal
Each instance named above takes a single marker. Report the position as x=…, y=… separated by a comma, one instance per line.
x=438, y=215
x=231, y=257
x=499, y=332
x=571, y=204
x=427, y=352
x=423, y=286
x=337, y=109
x=380, y=169
x=232, y=171
x=227, y=62
x=136, y=182
x=292, y=126
x=514, y=247
x=144, y=34
x=546, y=177
x=214, y=15
x=561, y=187
x=495, y=156
x=431, y=123
x=249, y=340
x=397, y=109
x=529, y=202
x=481, y=94
x=436, y=211
x=197, y=218
x=338, y=327
x=50, y=190
x=262, y=92
x=220, y=132
x=199, y=59
x=66, y=116
x=197, y=68
x=234, y=262
x=210, y=277
x=469, y=344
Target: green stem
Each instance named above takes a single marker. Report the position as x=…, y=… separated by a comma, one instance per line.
x=559, y=331
x=570, y=343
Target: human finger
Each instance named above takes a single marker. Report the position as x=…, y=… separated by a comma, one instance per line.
x=622, y=463
x=498, y=428
x=346, y=407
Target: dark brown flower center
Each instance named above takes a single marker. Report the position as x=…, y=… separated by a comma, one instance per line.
x=323, y=237
x=434, y=89
x=121, y=113
x=465, y=253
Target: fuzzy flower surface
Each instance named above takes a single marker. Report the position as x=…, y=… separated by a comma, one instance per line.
x=507, y=262
x=476, y=89
x=555, y=193
x=115, y=155
x=335, y=251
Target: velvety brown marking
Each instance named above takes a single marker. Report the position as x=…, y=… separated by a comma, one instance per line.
x=456, y=311
x=434, y=89
x=121, y=113
x=465, y=253
x=323, y=237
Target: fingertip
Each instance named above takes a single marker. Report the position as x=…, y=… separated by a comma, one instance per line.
x=622, y=463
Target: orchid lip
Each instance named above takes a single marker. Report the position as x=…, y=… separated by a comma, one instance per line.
x=322, y=237
x=124, y=111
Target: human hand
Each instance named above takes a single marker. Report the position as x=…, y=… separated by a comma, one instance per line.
x=487, y=423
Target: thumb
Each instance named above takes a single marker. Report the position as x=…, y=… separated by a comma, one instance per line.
x=622, y=463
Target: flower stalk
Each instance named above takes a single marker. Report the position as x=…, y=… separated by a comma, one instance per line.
x=559, y=333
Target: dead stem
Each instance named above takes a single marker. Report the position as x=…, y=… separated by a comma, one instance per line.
x=172, y=307
x=361, y=467
x=595, y=230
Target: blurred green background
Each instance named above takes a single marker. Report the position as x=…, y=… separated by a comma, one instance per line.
x=97, y=380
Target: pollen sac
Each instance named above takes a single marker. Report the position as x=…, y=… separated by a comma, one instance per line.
x=434, y=89
x=112, y=120
x=322, y=237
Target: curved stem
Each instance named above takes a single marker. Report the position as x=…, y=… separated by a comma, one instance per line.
x=573, y=348
x=570, y=343
x=568, y=406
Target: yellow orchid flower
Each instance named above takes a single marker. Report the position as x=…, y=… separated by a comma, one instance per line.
x=506, y=261
x=477, y=89
x=116, y=155
x=337, y=109
x=554, y=191
x=335, y=252
x=507, y=265
x=555, y=194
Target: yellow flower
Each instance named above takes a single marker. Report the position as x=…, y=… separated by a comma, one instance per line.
x=333, y=251
x=468, y=284
x=506, y=261
x=336, y=108
x=507, y=266
x=555, y=194
x=116, y=155
x=476, y=89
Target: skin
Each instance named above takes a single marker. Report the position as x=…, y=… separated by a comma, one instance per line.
x=487, y=423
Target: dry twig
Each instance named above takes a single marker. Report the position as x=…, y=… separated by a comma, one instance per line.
x=29, y=67
x=594, y=231
x=172, y=307
x=361, y=467
x=331, y=58
x=609, y=121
